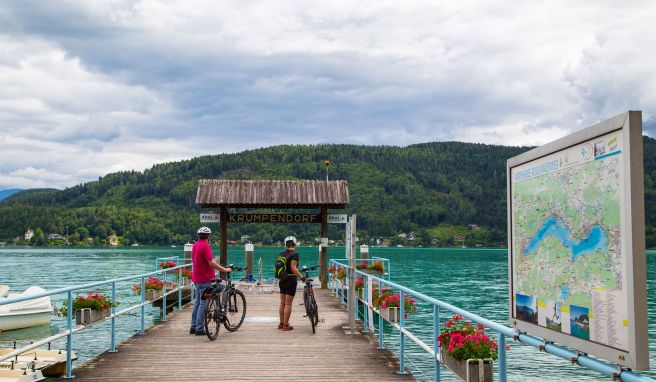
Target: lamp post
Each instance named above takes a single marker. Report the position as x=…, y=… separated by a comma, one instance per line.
x=327, y=164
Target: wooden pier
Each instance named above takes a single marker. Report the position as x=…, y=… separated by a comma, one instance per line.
x=258, y=351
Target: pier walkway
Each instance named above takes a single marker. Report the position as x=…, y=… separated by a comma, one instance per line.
x=256, y=352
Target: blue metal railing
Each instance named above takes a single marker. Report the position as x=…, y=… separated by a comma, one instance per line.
x=77, y=288
x=608, y=369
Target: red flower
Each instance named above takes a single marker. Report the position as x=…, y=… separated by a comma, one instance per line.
x=462, y=340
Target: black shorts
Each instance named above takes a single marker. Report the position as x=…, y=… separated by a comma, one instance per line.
x=288, y=286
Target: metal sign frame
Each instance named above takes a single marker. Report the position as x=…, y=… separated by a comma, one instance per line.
x=628, y=127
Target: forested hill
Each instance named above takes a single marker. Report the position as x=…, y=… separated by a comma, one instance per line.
x=393, y=190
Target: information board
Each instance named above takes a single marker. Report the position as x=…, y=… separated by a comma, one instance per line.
x=576, y=241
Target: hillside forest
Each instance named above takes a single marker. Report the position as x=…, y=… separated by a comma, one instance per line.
x=432, y=194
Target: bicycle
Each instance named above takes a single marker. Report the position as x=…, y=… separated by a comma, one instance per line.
x=311, y=309
x=227, y=308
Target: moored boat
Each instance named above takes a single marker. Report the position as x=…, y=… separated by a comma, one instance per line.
x=51, y=363
x=24, y=314
x=17, y=375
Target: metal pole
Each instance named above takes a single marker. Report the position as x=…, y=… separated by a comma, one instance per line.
x=352, y=300
x=113, y=349
x=502, y=357
x=402, y=321
x=365, y=307
x=341, y=291
x=436, y=332
x=380, y=331
x=143, y=307
x=69, y=338
x=180, y=288
x=164, y=300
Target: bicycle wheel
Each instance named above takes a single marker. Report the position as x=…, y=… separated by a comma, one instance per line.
x=234, y=308
x=315, y=310
x=308, y=300
x=212, y=317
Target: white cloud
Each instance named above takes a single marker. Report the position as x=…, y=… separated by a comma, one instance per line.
x=94, y=87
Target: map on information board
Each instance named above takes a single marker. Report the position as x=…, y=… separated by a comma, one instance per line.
x=568, y=264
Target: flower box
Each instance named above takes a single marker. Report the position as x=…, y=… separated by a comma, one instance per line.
x=391, y=314
x=471, y=370
x=154, y=294
x=375, y=272
x=88, y=316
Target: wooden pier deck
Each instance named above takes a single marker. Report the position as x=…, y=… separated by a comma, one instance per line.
x=256, y=352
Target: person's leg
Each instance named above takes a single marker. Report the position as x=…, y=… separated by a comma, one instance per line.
x=200, y=314
x=288, y=309
x=281, y=310
x=194, y=312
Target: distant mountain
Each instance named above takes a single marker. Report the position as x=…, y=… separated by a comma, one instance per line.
x=7, y=193
x=27, y=196
x=393, y=190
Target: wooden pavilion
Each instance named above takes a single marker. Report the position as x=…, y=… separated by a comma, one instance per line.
x=280, y=194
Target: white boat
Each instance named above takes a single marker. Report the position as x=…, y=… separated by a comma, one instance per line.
x=20, y=376
x=24, y=314
x=51, y=363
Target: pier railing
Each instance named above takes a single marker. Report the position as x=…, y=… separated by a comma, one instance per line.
x=70, y=291
x=613, y=371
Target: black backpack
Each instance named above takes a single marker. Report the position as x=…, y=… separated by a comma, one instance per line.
x=280, y=268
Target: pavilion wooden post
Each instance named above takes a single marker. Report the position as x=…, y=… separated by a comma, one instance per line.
x=323, y=269
x=224, y=236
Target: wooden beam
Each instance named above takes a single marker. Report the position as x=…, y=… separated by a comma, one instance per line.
x=323, y=269
x=224, y=236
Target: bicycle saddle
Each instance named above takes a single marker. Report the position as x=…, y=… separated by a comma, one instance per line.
x=216, y=280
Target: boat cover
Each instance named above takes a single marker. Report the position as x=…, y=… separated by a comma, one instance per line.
x=41, y=303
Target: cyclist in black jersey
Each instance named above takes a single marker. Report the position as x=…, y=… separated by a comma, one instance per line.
x=288, y=285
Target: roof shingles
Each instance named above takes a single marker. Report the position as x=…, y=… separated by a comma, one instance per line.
x=274, y=193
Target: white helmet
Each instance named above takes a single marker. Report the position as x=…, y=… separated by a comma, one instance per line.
x=291, y=239
x=204, y=230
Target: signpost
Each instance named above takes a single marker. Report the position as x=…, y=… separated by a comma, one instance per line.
x=209, y=218
x=576, y=242
x=337, y=218
x=350, y=254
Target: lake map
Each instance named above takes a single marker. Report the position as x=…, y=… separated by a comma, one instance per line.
x=567, y=246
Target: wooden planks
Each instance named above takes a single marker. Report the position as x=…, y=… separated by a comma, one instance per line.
x=256, y=352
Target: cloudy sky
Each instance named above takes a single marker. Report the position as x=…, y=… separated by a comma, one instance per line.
x=92, y=87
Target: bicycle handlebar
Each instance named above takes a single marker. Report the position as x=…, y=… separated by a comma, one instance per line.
x=236, y=268
x=306, y=268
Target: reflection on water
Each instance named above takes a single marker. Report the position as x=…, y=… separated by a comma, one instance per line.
x=475, y=280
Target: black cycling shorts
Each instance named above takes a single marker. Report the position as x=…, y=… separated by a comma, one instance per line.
x=288, y=286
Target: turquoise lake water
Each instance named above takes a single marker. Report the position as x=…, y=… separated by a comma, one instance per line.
x=475, y=280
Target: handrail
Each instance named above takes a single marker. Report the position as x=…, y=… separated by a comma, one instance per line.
x=85, y=286
x=608, y=369
x=70, y=316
